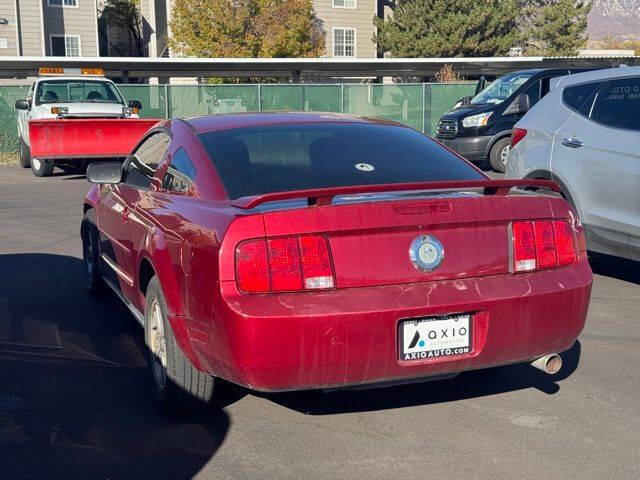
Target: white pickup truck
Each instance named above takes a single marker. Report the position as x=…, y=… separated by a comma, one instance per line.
x=67, y=93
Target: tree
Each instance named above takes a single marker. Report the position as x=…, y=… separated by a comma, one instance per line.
x=246, y=28
x=555, y=27
x=121, y=27
x=449, y=28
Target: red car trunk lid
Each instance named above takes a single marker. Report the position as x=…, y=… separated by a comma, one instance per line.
x=370, y=240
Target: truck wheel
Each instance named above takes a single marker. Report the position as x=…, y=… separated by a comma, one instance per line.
x=80, y=167
x=500, y=154
x=177, y=386
x=42, y=168
x=25, y=154
x=90, y=255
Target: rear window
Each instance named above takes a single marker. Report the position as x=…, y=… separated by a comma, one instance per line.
x=266, y=159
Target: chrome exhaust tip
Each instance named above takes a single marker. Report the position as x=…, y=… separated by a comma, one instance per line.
x=550, y=364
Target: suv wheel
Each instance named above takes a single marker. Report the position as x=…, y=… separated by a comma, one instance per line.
x=42, y=168
x=177, y=386
x=25, y=154
x=499, y=154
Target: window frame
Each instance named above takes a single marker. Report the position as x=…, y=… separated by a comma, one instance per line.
x=596, y=96
x=62, y=5
x=65, y=36
x=355, y=42
x=354, y=7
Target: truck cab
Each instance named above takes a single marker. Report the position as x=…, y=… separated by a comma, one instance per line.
x=480, y=129
x=60, y=93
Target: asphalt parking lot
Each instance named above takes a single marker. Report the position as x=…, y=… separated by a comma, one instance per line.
x=74, y=401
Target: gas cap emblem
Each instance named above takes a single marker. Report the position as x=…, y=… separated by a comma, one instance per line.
x=426, y=253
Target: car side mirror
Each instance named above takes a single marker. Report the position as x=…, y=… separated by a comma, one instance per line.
x=23, y=104
x=521, y=104
x=104, y=172
x=135, y=104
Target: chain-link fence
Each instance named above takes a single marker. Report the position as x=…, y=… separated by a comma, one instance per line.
x=417, y=105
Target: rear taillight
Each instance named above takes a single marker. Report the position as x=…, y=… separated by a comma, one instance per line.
x=517, y=134
x=542, y=244
x=284, y=264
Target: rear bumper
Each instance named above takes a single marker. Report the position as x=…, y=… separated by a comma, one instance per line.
x=350, y=336
x=473, y=149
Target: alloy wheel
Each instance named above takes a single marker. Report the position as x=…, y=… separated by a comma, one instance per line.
x=157, y=345
x=504, y=154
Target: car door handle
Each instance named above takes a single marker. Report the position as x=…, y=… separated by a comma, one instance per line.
x=571, y=142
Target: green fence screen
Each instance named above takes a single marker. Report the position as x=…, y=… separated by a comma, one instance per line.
x=417, y=105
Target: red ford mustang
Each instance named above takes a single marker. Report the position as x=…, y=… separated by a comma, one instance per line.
x=295, y=251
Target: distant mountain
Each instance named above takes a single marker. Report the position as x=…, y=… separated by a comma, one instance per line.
x=620, y=18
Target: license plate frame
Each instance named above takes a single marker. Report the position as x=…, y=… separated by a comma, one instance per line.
x=423, y=338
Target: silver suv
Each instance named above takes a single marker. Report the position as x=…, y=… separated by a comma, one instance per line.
x=585, y=135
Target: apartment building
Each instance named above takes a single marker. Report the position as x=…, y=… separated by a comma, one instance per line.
x=48, y=27
x=69, y=28
x=72, y=28
x=348, y=25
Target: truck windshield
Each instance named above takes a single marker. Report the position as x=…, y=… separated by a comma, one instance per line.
x=77, y=91
x=278, y=158
x=501, y=89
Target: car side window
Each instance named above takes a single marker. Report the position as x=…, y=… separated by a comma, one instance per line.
x=618, y=104
x=580, y=97
x=145, y=160
x=180, y=173
x=533, y=91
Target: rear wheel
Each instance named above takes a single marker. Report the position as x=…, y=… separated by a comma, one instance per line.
x=42, y=168
x=178, y=387
x=499, y=154
x=25, y=154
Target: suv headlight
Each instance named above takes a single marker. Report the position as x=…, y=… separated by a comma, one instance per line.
x=478, y=120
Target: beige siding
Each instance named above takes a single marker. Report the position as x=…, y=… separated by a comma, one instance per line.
x=161, y=26
x=147, y=29
x=360, y=18
x=8, y=32
x=80, y=20
x=30, y=27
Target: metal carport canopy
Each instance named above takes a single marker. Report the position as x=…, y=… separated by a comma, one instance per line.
x=305, y=67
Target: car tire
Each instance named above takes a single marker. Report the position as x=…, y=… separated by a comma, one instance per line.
x=42, y=168
x=90, y=255
x=178, y=387
x=25, y=154
x=499, y=154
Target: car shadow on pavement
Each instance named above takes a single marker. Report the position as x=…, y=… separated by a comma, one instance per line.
x=75, y=400
x=470, y=384
x=615, y=267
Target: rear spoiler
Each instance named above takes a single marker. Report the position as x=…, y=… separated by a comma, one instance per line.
x=323, y=196
x=86, y=137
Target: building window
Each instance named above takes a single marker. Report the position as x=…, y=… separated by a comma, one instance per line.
x=65, y=45
x=344, y=42
x=62, y=3
x=344, y=3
